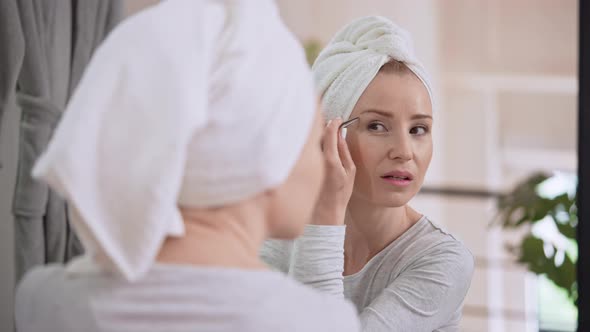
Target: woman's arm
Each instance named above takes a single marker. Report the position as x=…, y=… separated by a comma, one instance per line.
x=277, y=254
x=317, y=257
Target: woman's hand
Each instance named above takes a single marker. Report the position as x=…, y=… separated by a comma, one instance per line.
x=339, y=180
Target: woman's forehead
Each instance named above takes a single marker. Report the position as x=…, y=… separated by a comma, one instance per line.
x=395, y=93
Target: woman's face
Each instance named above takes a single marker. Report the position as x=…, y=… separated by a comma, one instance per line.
x=392, y=143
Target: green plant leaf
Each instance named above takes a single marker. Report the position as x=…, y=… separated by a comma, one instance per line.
x=533, y=257
x=524, y=206
x=567, y=229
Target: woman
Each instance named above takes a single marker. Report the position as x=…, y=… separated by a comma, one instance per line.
x=401, y=270
x=192, y=130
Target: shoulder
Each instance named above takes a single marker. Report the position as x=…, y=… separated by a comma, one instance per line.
x=452, y=248
x=37, y=288
x=428, y=247
x=39, y=278
x=297, y=307
x=440, y=250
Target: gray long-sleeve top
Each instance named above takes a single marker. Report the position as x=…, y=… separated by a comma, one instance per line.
x=177, y=298
x=417, y=283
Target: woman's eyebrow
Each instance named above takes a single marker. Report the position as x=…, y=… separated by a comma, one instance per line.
x=421, y=116
x=382, y=113
x=417, y=116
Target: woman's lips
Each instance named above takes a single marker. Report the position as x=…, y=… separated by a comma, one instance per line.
x=400, y=182
x=398, y=178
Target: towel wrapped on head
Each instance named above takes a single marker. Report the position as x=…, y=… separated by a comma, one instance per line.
x=187, y=103
x=351, y=60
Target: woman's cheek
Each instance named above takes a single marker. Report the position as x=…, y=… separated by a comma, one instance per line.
x=423, y=155
x=360, y=151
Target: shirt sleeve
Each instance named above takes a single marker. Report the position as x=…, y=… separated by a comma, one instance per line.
x=277, y=254
x=318, y=259
x=315, y=259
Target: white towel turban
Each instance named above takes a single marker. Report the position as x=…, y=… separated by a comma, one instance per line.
x=351, y=60
x=190, y=103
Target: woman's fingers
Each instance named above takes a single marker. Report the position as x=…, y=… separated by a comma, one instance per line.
x=345, y=156
x=330, y=143
x=335, y=148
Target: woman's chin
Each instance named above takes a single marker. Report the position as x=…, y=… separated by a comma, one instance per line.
x=385, y=198
x=392, y=200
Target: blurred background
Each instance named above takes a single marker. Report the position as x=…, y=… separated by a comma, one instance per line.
x=503, y=176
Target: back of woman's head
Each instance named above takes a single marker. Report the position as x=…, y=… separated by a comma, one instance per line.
x=188, y=103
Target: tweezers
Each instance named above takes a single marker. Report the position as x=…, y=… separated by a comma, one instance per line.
x=348, y=123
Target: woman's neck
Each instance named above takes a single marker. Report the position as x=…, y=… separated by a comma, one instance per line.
x=217, y=239
x=370, y=228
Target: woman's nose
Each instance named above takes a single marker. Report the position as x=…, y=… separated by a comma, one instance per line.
x=401, y=148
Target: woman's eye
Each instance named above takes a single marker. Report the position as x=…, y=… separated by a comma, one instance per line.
x=420, y=130
x=376, y=126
